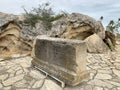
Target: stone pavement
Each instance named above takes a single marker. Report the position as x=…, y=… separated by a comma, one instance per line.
x=18, y=74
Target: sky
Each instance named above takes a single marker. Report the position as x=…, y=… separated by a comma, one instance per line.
x=109, y=9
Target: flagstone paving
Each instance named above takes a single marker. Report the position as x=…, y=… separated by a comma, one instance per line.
x=18, y=74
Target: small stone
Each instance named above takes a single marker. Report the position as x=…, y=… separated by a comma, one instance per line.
x=114, y=89
x=1, y=59
x=88, y=87
x=19, y=72
x=117, y=60
x=3, y=63
x=10, y=70
x=22, y=89
x=97, y=82
x=106, y=89
x=98, y=88
x=1, y=85
x=36, y=74
x=38, y=84
x=15, y=55
x=25, y=65
x=50, y=85
x=15, y=67
x=74, y=88
x=21, y=84
x=105, y=71
x=3, y=77
x=18, y=68
x=103, y=65
x=118, y=88
x=113, y=82
x=11, y=75
x=7, y=88
x=92, y=75
x=12, y=80
x=116, y=72
x=103, y=76
x=117, y=65
x=25, y=70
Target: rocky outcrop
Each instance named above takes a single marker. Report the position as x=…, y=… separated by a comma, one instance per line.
x=11, y=40
x=76, y=26
x=72, y=26
x=81, y=27
x=95, y=44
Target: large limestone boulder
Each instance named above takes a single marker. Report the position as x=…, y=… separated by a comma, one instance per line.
x=95, y=44
x=11, y=39
x=77, y=26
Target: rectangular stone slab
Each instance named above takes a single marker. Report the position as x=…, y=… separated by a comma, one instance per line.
x=64, y=59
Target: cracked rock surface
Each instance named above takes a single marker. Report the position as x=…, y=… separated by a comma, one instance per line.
x=18, y=74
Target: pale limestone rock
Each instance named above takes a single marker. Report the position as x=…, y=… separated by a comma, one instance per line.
x=88, y=87
x=15, y=55
x=95, y=44
x=36, y=74
x=38, y=84
x=97, y=82
x=74, y=88
x=112, y=82
x=117, y=59
x=19, y=72
x=2, y=63
x=103, y=76
x=114, y=89
x=3, y=77
x=7, y=88
x=117, y=65
x=106, y=89
x=98, y=88
x=11, y=75
x=1, y=86
x=116, y=72
x=12, y=80
x=50, y=85
x=1, y=59
x=92, y=75
x=25, y=65
x=118, y=88
x=18, y=68
x=102, y=71
x=21, y=84
x=22, y=89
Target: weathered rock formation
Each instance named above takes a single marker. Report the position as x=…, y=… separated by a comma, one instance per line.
x=73, y=26
x=11, y=41
x=79, y=26
x=76, y=26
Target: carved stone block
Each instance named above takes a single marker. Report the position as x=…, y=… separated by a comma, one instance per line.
x=64, y=59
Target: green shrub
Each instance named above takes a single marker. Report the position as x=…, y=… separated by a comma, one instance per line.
x=44, y=13
x=113, y=26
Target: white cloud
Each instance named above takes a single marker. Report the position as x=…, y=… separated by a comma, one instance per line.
x=95, y=8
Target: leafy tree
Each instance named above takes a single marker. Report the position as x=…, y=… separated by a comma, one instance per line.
x=101, y=18
x=44, y=13
x=113, y=26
